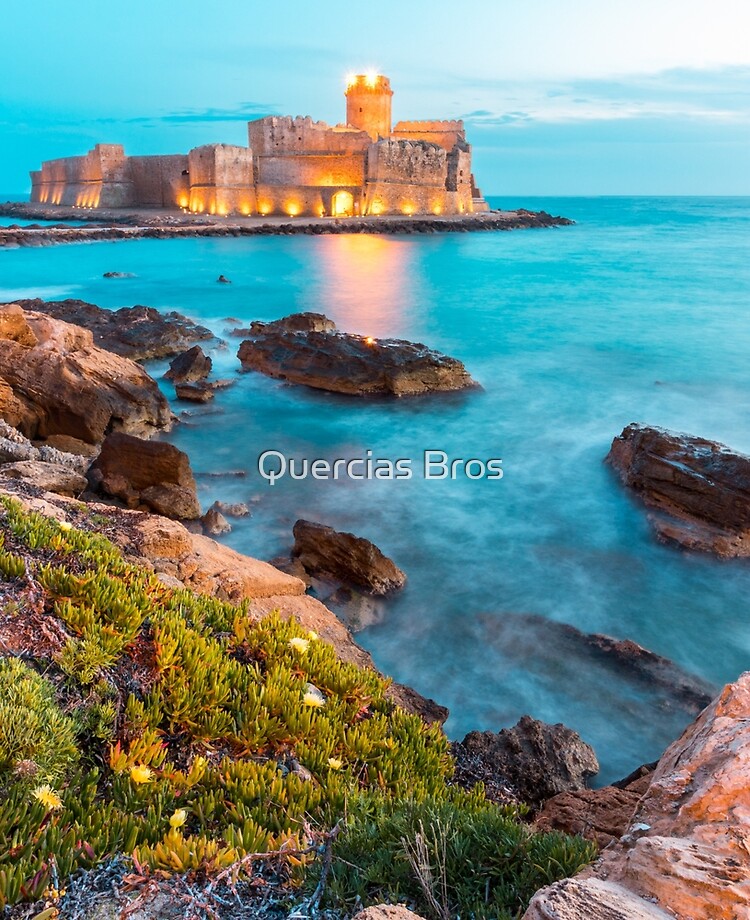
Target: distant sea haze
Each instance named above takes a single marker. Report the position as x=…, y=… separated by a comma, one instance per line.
x=636, y=313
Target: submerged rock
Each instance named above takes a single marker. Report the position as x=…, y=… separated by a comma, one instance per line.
x=118, y=275
x=195, y=392
x=699, y=489
x=353, y=560
x=150, y=473
x=190, y=366
x=55, y=381
x=136, y=332
x=532, y=638
x=685, y=853
x=533, y=760
x=350, y=364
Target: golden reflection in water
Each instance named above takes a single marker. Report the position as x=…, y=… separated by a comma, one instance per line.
x=366, y=284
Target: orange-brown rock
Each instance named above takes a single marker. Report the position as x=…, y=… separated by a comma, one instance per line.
x=386, y=912
x=346, y=558
x=133, y=332
x=354, y=365
x=63, y=384
x=602, y=815
x=150, y=473
x=686, y=852
x=700, y=489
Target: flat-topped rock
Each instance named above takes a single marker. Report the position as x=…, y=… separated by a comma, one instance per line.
x=354, y=365
x=699, y=489
x=55, y=381
x=136, y=332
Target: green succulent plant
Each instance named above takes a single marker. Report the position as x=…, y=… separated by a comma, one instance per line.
x=201, y=734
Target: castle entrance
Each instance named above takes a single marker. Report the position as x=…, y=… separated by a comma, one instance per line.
x=342, y=204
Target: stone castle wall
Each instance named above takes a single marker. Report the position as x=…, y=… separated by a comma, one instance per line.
x=283, y=135
x=221, y=180
x=159, y=181
x=100, y=178
x=406, y=177
x=444, y=133
x=292, y=166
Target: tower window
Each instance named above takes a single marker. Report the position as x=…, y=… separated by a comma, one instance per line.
x=360, y=109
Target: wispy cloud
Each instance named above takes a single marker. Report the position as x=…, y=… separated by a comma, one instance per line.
x=243, y=111
x=720, y=95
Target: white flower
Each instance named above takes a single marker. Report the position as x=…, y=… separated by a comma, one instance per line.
x=313, y=697
x=299, y=645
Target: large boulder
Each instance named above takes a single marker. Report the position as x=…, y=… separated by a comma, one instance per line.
x=700, y=489
x=63, y=384
x=150, y=473
x=351, y=364
x=532, y=760
x=133, y=332
x=685, y=854
x=353, y=560
x=190, y=366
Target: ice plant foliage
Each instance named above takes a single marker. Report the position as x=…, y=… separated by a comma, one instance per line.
x=106, y=755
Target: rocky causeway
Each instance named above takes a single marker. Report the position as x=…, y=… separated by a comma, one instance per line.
x=127, y=224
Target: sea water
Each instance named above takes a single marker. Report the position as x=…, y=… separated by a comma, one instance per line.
x=639, y=312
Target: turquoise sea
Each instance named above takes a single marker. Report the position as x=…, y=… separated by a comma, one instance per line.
x=639, y=312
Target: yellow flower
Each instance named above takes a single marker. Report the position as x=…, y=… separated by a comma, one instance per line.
x=48, y=797
x=178, y=818
x=334, y=763
x=313, y=635
x=64, y=525
x=141, y=774
x=299, y=645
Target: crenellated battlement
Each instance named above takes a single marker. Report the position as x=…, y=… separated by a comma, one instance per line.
x=292, y=165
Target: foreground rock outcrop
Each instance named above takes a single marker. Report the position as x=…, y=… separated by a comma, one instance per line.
x=354, y=365
x=532, y=761
x=150, y=473
x=700, y=489
x=686, y=853
x=326, y=552
x=136, y=332
x=55, y=381
x=183, y=559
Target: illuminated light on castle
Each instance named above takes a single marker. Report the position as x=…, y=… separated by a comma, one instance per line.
x=291, y=167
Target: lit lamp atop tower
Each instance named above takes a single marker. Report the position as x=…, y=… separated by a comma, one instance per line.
x=368, y=104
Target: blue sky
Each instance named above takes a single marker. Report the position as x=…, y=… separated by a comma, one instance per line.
x=560, y=97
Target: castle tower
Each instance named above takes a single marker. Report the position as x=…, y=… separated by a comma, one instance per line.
x=368, y=104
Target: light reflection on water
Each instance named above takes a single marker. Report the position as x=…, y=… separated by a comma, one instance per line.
x=637, y=313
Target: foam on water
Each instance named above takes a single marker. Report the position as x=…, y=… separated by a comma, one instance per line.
x=638, y=313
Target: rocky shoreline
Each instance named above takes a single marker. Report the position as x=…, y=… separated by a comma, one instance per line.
x=128, y=225
x=76, y=458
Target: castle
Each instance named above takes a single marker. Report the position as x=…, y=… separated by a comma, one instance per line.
x=291, y=166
